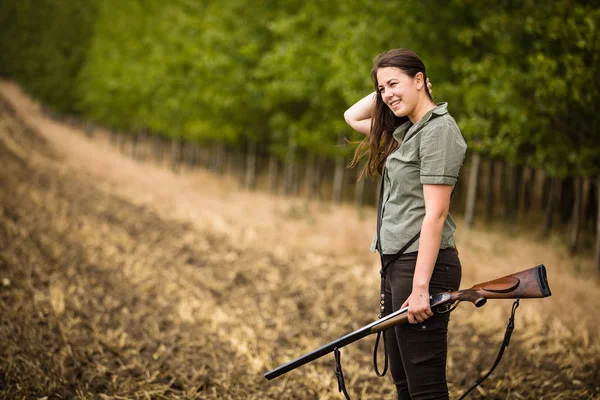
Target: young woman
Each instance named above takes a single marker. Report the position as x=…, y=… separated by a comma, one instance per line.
x=418, y=149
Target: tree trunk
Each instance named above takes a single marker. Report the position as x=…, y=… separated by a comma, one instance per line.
x=315, y=186
x=239, y=164
x=489, y=195
x=190, y=155
x=175, y=153
x=187, y=155
x=204, y=157
x=526, y=188
x=585, y=197
x=548, y=192
x=158, y=156
x=295, y=179
x=219, y=158
x=541, y=181
x=114, y=137
x=250, y=179
x=561, y=198
x=196, y=155
x=500, y=171
x=338, y=176
x=512, y=182
x=122, y=141
x=184, y=155
x=551, y=203
x=142, y=145
x=288, y=172
x=359, y=190
x=272, y=173
x=308, y=174
x=575, y=216
x=338, y=179
x=133, y=146
x=597, y=247
x=472, y=190
x=89, y=129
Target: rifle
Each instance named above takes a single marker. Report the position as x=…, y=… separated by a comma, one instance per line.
x=529, y=284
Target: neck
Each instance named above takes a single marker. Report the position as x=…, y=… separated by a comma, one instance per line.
x=424, y=105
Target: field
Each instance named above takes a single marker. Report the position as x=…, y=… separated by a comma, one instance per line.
x=121, y=279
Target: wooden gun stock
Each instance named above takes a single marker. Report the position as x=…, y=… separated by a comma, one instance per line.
x=529, y=284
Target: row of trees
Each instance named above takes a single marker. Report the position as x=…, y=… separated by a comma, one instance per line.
x=270, y=80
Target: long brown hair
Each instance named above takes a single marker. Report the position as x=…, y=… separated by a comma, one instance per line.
x=380, y=143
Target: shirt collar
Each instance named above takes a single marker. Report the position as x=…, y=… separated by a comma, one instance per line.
x=400, y=132
x=440, y=109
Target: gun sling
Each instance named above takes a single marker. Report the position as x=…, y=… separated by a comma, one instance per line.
x=384, y=266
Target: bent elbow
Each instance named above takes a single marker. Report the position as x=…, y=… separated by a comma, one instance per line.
x=348, y=117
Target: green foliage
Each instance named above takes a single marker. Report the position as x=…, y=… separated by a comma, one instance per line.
x=43, y=44
x=530, y=94
x=520, y=77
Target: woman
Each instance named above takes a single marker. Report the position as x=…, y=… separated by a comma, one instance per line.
x=418, y=149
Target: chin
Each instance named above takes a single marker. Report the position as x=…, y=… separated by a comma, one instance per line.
x=400, y=113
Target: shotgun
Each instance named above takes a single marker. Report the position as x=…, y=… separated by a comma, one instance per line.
x=529, y=284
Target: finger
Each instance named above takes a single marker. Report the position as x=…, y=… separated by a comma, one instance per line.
x=421, y=316
x=429, y=312
x=411, y=318
x=405, y=304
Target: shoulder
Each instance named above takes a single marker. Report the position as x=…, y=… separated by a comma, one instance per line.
x=444, y=126
x=445, y=122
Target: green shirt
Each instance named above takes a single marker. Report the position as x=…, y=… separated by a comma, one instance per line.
x=430, y=152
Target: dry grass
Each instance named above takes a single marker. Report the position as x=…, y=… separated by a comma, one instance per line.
x=124, y=280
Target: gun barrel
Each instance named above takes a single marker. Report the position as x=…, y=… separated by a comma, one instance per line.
x=320, y=352
x=381, y=324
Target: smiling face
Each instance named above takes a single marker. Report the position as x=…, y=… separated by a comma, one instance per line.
x=400, y=92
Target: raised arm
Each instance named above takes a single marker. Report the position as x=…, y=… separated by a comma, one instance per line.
x=359, y=115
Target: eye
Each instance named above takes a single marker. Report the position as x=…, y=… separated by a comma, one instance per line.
x=381, y=90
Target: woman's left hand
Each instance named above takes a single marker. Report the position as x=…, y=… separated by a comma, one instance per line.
x=418, y=306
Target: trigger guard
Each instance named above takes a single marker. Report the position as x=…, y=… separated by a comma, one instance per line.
x=445, y=308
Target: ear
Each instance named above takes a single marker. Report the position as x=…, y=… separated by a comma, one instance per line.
x=420, y=80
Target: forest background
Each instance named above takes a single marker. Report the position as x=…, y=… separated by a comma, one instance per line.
x=260, y=89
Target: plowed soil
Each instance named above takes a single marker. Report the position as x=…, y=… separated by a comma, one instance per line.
x=121, y=279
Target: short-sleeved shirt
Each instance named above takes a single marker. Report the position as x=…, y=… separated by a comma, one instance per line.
x=430, y=152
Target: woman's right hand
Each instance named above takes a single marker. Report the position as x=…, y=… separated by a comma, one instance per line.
x=359, y=115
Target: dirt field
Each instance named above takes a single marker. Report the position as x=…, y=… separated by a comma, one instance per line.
x=124, y=280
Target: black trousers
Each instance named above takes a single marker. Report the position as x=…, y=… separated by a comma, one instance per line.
x=417, y=352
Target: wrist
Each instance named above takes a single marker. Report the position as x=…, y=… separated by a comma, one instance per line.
x=420, y=285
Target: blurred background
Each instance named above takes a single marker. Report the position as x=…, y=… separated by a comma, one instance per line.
x=260, y=89
x=245, y=100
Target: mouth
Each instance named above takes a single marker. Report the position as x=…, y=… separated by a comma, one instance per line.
x=395, y=103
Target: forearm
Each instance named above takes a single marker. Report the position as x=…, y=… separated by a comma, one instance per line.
x=359, y=115
x=362, y=109
x=429, y=246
